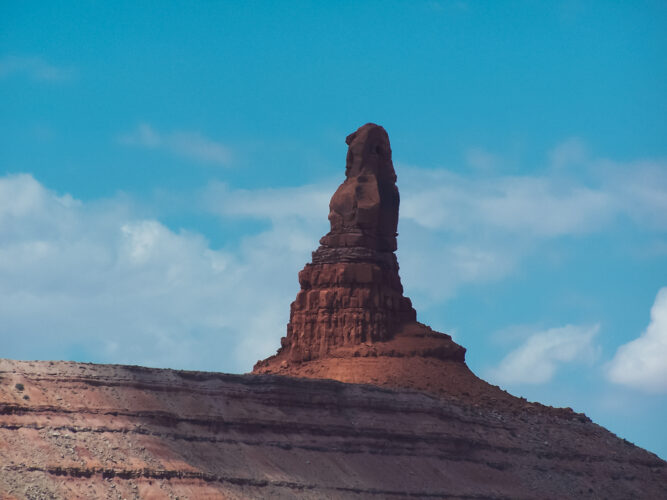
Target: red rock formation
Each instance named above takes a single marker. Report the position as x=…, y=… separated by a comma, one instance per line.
x=351, y=302
x=81, y=431
x=75, y=431
x=351, y=293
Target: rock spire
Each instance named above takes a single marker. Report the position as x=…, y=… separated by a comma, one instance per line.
x=351, y=292
x=351, y=302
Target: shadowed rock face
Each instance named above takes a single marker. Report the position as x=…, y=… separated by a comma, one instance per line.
x=351, y=302
x=364, y=209
x=80, y=431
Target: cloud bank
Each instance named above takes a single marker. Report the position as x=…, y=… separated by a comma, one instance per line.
x=93, y=281
x=642, y=363
x=458, y=230
x=539, y=357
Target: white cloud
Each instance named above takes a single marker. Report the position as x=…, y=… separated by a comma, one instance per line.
x=642, y=363
x=530, y=206
x=310, y=202
x=34, y=68
x=472, y=229
x=458, y=230
x=639, y=190
x=481, y=160
x=183, y=143
x=548, y=205
x=570, y=152
x=433, y=269
x=538, y=358
x=540, y=208
x=96, y=281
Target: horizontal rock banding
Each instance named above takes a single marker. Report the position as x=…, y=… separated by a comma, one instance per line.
x=344, y=304
x=351, y=293
x=104, y=431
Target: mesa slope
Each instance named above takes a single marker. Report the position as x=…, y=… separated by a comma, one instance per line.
x=103, y=431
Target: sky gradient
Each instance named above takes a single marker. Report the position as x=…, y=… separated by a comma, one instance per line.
x=165, y=170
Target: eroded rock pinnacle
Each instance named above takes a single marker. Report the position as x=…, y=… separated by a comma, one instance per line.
x=351, y=302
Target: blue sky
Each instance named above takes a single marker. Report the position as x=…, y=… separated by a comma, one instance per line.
x=166, y=170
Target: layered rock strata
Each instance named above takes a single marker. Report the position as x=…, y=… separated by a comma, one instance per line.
x=351, y=295
x=82, y=431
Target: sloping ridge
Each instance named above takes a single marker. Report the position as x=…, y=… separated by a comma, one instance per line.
x=103, y=431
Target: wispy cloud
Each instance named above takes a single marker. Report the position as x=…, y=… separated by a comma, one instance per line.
x=308, y=202
x=533, y=206
x=477, y=228
x=642, y=363
x=34, y=68
x=539, y=357
x=552, y=204
x=481, y=159
x=572, y=151
x=187, y=144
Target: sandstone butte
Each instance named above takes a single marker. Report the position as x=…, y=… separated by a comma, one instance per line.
x=401, y=415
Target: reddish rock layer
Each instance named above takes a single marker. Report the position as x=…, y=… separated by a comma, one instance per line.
x=351, y=294
x=81, y=431
x=344, y=303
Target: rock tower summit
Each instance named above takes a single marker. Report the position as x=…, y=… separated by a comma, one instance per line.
x=350, y=321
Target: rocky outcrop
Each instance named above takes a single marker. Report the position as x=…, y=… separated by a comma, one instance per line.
x=351, y=301
x=81, y=431
x=351, y=293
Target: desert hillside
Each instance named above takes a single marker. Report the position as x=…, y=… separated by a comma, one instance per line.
x=81, y=431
